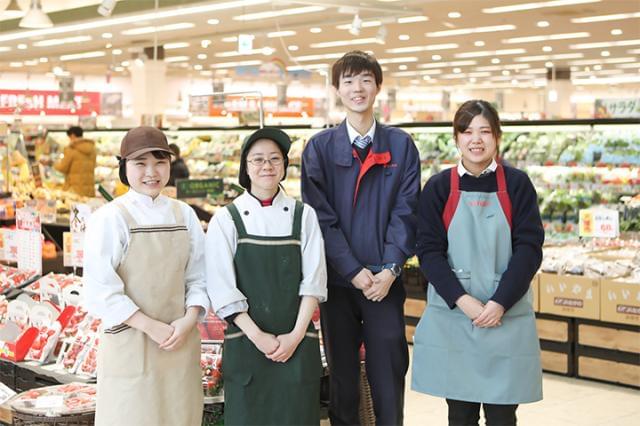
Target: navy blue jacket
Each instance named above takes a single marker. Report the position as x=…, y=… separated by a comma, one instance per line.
x=366, y=210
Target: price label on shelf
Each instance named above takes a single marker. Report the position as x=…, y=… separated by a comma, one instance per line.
x=601, y=223
x=73, y=249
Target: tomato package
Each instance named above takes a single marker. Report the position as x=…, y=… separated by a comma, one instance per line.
x=44, y=343
x=211, y=365
x=52, y=401
x=89, y=364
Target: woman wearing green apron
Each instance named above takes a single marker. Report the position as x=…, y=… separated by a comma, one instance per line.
x=479, y=243
x=144, y=276
x=266, y=273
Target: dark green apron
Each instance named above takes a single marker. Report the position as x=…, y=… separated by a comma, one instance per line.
x=257, y=390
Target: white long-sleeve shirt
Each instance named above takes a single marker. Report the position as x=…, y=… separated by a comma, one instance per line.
x=272, y=221
x=106, y=241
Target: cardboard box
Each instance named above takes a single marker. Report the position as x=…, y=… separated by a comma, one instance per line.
x=535, y=289
x=570, y=296
x=620, y=302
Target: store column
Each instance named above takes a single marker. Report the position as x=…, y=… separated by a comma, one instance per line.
x=148, y=78
x=558, y=94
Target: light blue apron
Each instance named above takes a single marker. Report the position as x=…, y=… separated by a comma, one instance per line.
x=452, y=358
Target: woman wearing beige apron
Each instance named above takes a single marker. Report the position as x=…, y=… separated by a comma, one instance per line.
x=144, y=277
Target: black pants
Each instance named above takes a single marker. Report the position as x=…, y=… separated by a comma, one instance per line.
x=348, y=319
x=463, y=413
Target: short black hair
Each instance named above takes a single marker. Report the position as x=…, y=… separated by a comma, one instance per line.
x=122, y=164
x=354, y=63
x=176, y=149
x=243, y=175
x=75, y=131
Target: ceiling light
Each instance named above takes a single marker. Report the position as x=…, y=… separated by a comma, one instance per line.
x=118, y=69
x=232, y=53
x=365, y=24
x=542, y=24
x=548, y=64
x=560, y=56
x=85, y=55
x=463, y=31
x=533, y=39
x=402, y=67
x=266, y=51
x=281, y=34
x=480, y=54
x=106, y=7
x=404, y=37
x=202, y=56
x=318, y=57
x=633, y=65
x=547, y=48
x=35, y=17
x=506, y=72
x=397, y=60
x=168, y=27
x=293, y=47
x=448, y=64
x=604, y=44
x=107, y=35
x=15, y=64
x=12, y=10
x=454, y=15
x=537, y=5
x=205, y=43
x=478, y=43
x=339, y=43
x=597, y=67
x=605, y=61
x=427, y=48
x=426, y=77
x=277, y=13
x=616, y=31
x=411, y=19
x=43, y=60
x=197, y=67
x=315, y=30
x=436, y=57
x=22, y=46
x=213, y=21
x=457, y=70
x=172, y=59
x=308, y=67
x=472, y=80
x=495, y=61
x=602, y=18
x=125, y=63
x=605, y=53
x=231, y=39
x=479, y=74
x=59, y=41
x=235, y=64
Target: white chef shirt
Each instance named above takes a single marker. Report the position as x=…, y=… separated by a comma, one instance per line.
x=106, y=241
x=271, y=221
x=490, y=169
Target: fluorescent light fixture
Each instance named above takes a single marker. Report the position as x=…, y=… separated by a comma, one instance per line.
x=536, y=5
x=197, y=67
x=448, y=64
x=452, y=76
x=436, y=57
x=402, y=67
x=495, y=60
x=5, y=49
x=602, y=18
x=231, y=39
x=410, y=49
x=233, y=53
x=339, y=43
x=464, y=31
x=634, y=51
x=85, y=55
x=172, y=59
x=161, y=28
x=632, y=65
x=542, y=24
x=307, y=67
x=106, y=7
x=481, y=54
x=235, y=64
x=364, y=24
x=533, y=39
x=616, y=32
x=59, y=41
x=315, y=30
x=107, y=35
x=275, y=34
x=404, y=37
x=605, y=53
x=202, y=56
x=117, y=52
x=278, y=13
x=535, y=71
x=547, y=49
x=557, y=57
x=398, y=60
x=605, y=44
x=478, y=43
x=179, y=45
x=22, y=46
x=603, y=61
x=479, y=74
x=15, y=64
x=318, y=57
x=454, y=15
x=621, y=79
x=213, y=21
x=293, y=47
x=412, y=19
x=35, y=17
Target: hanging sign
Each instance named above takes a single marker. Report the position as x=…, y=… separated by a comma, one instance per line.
x=617, y=108
x=601, y=223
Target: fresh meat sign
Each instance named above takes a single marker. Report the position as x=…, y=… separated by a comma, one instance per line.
x=33, y=102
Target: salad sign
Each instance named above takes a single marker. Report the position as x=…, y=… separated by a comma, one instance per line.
x=617, y=108
x=602, y=223
x=29, y=240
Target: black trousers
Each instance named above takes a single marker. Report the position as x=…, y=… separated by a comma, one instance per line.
x=463, y=413
x=348, y=319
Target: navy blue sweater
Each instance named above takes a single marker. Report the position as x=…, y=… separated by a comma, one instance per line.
x=527, y=235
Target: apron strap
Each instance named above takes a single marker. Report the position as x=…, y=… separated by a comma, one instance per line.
x=503, y=195
x=131, y=223
x=237, y=220
x=453, y=200
x=177, y=212
x=297, y=221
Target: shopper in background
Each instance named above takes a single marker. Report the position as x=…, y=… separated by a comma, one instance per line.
x=479, y=244
x=144, y=277
x=363, y=179
x=179, y=169
x=266, y=274
x=78, y=164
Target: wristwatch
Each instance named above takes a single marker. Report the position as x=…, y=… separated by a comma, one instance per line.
x=395, y=269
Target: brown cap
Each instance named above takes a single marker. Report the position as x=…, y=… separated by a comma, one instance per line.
x=141, y=140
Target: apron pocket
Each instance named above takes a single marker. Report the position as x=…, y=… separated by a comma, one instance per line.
x=465, y=279
x=305, y=364
x=123, y=353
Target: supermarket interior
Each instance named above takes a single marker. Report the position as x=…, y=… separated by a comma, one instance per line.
x=564, y=76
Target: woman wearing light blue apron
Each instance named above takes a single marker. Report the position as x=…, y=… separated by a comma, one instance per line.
x=479, y=243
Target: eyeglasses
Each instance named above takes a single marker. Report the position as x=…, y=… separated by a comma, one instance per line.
x=261, y=161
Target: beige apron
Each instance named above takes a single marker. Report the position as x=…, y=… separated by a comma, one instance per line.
x=138, y=383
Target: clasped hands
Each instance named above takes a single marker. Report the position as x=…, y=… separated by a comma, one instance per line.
x=374, y=287
x=484, y=316
x=277, y=348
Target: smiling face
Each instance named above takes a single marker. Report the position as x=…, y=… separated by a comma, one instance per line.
x=477, y=144
x=147, y=174
x=266, y=177
x=358, y=92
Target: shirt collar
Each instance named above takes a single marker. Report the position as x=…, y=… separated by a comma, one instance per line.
x=277, y=199
x=353, y=133
x=145, y=200
x=490, y=169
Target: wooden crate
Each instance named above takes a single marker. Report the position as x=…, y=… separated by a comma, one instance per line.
x=556, y=334
x=616, y=339
x=609, y=371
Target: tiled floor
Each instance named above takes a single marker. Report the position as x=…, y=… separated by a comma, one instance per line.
x=567, y=402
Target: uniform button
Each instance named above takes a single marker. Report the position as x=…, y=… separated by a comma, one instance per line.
x=286, y=209
x=246, y=212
